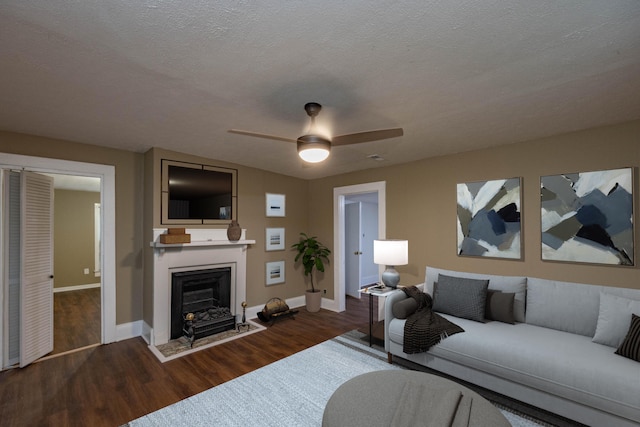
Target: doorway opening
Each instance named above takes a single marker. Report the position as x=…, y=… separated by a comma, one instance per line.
x=76, y=259
x=361, y=229
x=341, y=198
x=106, y=175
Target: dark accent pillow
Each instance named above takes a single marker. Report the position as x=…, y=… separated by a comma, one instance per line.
x=405, y=308
x=630, y=347
x=461, y=297
x=499, y=306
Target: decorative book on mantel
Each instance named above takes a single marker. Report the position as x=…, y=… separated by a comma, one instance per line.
x=175, y=235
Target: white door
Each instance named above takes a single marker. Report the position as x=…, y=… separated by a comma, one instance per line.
x=352, y=249
x=36, y=275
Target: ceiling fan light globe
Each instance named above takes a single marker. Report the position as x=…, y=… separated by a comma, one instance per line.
x=313, y=149
x=314, y=155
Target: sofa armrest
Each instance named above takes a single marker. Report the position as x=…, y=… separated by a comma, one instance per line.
x=391, y=299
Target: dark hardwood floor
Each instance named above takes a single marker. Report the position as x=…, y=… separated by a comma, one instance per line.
x=76, y=319
x=112, y=384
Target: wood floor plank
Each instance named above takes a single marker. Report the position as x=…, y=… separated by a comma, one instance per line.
x=112, y=384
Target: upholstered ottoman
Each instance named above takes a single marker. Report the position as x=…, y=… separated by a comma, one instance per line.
x=408, y=398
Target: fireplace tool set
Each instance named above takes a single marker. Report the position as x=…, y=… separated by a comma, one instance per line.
x=244, y=323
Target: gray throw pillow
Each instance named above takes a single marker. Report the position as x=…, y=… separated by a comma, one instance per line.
x=499, y=306
x=461, y=297
x=405, y=308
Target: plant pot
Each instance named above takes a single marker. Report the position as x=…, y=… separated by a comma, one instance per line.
x=313, y=301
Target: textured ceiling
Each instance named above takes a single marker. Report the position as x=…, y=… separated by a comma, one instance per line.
x=456, y=75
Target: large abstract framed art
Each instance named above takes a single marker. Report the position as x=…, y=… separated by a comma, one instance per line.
x=489, y=219
x=588, y=217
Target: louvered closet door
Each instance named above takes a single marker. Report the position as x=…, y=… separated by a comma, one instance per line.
x=36, y=302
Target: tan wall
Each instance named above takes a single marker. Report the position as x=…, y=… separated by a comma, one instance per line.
x=253, y=184
x=129, y=206
x=73, y=237
x=421, y=202
x=421, y=207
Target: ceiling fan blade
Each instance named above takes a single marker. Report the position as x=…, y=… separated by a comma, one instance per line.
x=372, y=135
x=261, y=135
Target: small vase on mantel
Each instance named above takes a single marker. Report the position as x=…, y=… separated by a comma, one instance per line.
x=234, y=231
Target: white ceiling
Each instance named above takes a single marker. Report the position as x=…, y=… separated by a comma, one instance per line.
x=456, y=75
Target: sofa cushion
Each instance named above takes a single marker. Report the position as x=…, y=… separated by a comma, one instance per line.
x=499, y=306
x=560, y=363
x=515, y=284
x=404, y=308
x=630, y=347
x=460, y=297
x=614, y=319
x=570, y=307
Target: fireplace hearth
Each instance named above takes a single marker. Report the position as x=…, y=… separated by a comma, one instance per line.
x=201, y=303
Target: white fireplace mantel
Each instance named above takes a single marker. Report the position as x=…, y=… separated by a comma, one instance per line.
x=209, y=248
x=201, y=237
x=159, y=245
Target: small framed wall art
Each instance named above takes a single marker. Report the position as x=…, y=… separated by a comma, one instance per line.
x=588, y=217
x=275, y=204
x=274, y=272
x=275, y=239
x=489, y=219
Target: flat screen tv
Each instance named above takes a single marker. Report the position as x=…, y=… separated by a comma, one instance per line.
x=197, y=194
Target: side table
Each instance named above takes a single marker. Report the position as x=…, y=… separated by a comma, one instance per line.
x=377, y=292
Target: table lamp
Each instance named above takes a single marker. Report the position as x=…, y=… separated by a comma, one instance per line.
x=391, y=253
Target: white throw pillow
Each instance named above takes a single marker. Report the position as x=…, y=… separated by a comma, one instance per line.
x=614, y=319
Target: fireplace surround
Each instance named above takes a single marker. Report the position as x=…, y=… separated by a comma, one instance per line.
x=209, y=249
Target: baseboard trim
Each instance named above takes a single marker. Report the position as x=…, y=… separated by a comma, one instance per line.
x=140, y=328
x=330, y=304
x=146, y=332
x=295, y=302
x=76, y=288
x=125, y=331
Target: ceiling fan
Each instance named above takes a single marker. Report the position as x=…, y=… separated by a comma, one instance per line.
x=314, y=148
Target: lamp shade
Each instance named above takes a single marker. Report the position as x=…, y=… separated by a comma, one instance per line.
x=391, y=252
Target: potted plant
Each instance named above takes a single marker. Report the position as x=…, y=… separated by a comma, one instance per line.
x=313, y=255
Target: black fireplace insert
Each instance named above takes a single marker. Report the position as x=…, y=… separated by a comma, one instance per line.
x=203, y=296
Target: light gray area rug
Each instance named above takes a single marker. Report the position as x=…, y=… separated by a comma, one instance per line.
x=290, y=392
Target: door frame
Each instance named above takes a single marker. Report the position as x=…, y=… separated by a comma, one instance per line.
x=350, y=235
x=339, y=195
x=106, y=173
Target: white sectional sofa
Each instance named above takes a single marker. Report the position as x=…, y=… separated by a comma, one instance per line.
x=548, y=357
